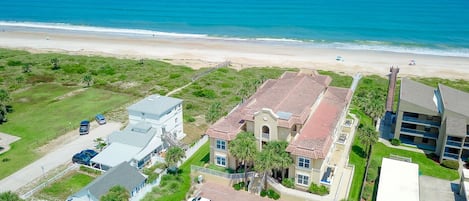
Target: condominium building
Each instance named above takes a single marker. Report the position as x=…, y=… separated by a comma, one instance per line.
x=301, y=109
x=435, y=119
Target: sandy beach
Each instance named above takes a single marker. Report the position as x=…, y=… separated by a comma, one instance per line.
x=204, y=52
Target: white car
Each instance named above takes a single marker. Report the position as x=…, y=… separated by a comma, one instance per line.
x=198, y=198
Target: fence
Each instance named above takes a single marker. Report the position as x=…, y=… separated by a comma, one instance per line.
x=220, y=65
x=220, y=174
x=49, y=181
x=193, y=149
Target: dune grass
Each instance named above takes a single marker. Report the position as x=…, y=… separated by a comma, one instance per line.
x=43, y=113
x=65, y=187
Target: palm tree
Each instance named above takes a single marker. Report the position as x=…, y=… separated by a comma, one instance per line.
x=88, y=79
x=27, y=68
x=280, y=158
x=244, y=148
x=174, y=155
x=9, y=196
x=116, y=193
x=263, y=163
x=368, y=137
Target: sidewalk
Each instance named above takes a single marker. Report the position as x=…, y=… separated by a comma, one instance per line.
x=388, y=144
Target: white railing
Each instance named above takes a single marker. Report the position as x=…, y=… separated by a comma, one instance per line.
x=226, y=175
x=49, y=181
x=193, y=149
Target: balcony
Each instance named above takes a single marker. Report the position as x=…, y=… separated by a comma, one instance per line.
x=420, y=146
x=453, y=143
x=418, y=133
x=414, y=120
x=466, y=145
x=266, y=136
x=451, y=156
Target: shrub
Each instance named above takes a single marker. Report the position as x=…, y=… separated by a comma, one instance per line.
x=289, y=183
x=238, y=186
x=452, y=164
x=14, y=63
x=372, y=174
x=367, y=192
x=263, y=193
x=395, y=142
x=190, y=119
x=174, y=75
x=318, y=189
x=205, y=93
x=272, y=194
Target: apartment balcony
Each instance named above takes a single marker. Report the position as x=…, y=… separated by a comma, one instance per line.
x=420, y=146
x=418, y=121
x=451, y=156
x=453, y=143
x=417, y=133
x=466, y=145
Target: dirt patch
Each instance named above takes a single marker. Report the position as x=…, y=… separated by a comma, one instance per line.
x=23, y=100
x=70, y=94
x=194, y=130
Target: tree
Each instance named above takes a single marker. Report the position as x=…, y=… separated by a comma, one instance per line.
x=88, y=79
x=280, y=158
x=263, y=163
x=367, y=136
x=244, y=148
x=116, y=193
x=9, y=196
x=4, y=100
x=55, y=64
x=174, y=155
x=214, y=112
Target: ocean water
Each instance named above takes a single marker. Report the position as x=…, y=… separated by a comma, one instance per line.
x=439, y=27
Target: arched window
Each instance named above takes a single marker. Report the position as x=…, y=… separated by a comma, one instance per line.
x=265, y=132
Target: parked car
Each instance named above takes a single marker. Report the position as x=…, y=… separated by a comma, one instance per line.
x=91, y=153
x=84, y=127
x=81, y=158
x=198, y=198
x=100, y=119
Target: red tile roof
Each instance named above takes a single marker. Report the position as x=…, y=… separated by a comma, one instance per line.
x=294, y=93
x=315, y=138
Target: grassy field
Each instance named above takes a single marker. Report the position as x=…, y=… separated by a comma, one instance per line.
x=175, y=187
x=65, y=187
x=42, y=113
x=426, y=165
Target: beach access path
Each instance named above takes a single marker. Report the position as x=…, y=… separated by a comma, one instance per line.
x=59, y=156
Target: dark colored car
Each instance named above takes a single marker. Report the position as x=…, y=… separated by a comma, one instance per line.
x=100, y=119
x=84, y=127
x=81, y=158
x=89, y=152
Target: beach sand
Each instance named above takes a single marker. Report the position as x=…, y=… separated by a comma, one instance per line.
x=205, y=52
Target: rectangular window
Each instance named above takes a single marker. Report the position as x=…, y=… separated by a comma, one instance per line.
x=302, y=179
x=221, y=144
x=221, y=161
x=303, y=162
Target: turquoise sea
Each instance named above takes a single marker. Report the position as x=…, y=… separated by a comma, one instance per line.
x=439, y=27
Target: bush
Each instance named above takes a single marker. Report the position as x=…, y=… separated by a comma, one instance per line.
x=272, y=194
x=318, y=189
x=372, y=174
x=367, y=192
x=263, y=193
x=395, y=142
x=190, y=119
x=238, y=186
x=452, y=164
x=289, y=183
x=14, y=63
x=205, y=93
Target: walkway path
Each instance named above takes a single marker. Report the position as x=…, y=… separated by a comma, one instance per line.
x=60, y=156
x=387, y=143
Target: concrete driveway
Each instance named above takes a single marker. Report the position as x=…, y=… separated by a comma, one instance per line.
x=434, y=189
x=217, y=192
x=59, y=156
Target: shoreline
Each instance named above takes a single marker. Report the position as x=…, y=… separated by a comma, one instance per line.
x=204, y=52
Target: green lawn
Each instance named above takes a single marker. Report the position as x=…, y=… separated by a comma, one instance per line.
x=338, y=80
x=39, y=117
x=175, y=187
x=426, y=165
x=65, y=187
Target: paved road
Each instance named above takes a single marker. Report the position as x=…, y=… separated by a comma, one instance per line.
x=61, y=155
x=217, y=192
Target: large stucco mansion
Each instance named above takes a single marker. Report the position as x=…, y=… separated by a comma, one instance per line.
x=299, y=108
